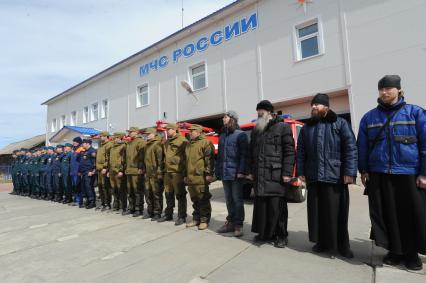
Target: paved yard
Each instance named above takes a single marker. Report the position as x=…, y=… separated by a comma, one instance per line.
x=42, y=241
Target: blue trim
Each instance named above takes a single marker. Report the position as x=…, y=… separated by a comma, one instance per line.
x=80, y=130
x=146, y=49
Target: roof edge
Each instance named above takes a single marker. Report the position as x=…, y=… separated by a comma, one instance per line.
x=111, y=68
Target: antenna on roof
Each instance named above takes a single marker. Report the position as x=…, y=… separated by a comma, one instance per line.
x=182, y=13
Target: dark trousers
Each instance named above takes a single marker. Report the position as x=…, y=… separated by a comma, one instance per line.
x=328, y=212
x=67, y=188
x=234, y=201
x=49, y=183
x=58, y=188
x=76, y=188
x=37, y=184
x=87, y=188
x=25, y=183
x=43, y=191
x=397, y=213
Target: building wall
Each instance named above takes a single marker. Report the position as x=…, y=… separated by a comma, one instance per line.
x=385, y=37
x=363, y=40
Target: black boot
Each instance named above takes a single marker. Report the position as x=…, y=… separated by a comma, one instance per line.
x=137, y=213
x=146, y=216
x=156, y=217
x=91, y=205
x=280, y=242
x=165, y=218
x=180, y=221
x=413, y=262
x=392, y=259
x=347, y=253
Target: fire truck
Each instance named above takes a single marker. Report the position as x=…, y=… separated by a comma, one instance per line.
x=209, y=133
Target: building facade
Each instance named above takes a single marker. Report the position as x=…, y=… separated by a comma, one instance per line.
x=280, y=50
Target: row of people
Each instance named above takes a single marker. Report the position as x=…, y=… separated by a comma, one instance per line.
x=390, y=154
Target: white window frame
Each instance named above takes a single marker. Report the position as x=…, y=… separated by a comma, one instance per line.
x=62, y=121
x=191, y=77
x=298, y=40
x=73, y=118
x=86, y=114
x=92, y=115
x=138, y=95
x=104, y=110
x=53, y=125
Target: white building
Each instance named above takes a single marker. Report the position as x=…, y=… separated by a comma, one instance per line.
x=253, y=50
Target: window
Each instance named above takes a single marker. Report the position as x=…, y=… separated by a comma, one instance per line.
x=308, y=39
x=198, y=77
x=85, y=114
x=53, y=125
x=62, y=121
x=94, y=112
x=104, y=109
x=142, y=98
x=73, y=118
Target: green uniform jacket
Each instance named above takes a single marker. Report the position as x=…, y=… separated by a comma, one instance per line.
x=153, y=158
x=199, y=161
x=117, y=158
x=174, y=155
x=102, y=155
x=134, y=156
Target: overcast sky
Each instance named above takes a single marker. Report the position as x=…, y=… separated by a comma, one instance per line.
x=48, y=46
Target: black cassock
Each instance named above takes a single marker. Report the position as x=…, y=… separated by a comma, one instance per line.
x=328, y=211
x=397, y=213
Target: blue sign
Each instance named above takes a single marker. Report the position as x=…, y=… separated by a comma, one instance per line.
x=217, y=37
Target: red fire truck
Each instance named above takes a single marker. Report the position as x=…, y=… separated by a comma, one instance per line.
x=209, y=133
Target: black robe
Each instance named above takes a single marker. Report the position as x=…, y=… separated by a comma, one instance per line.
x=328, y=212
x=397, y=213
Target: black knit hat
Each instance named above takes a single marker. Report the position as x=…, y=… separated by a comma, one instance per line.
x=77, y=139
x=265, y=105
x=321, y=98
x=390, y=81
x=87, y=141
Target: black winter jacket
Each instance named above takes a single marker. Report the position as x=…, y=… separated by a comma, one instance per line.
x=272, y=155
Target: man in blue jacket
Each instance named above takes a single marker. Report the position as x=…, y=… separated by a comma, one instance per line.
x=392, y=161
x=87, y=170
x=231, y=168
x=42, y=173
x=74, y=167
x=327, y=161
x=49, y=177
x=57, y=174
x=65, y=171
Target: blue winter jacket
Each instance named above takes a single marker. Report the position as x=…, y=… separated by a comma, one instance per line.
x=232, y=155
x=401, y=148
x=75, y=161
x=87, y=160
x=326, y=150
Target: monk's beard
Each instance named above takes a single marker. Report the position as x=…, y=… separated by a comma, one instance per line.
x=317, y=115
x=262, y=122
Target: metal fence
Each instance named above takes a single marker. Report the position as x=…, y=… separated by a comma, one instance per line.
x=5, y=174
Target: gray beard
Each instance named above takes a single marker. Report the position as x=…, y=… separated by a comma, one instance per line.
x=261, y=123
